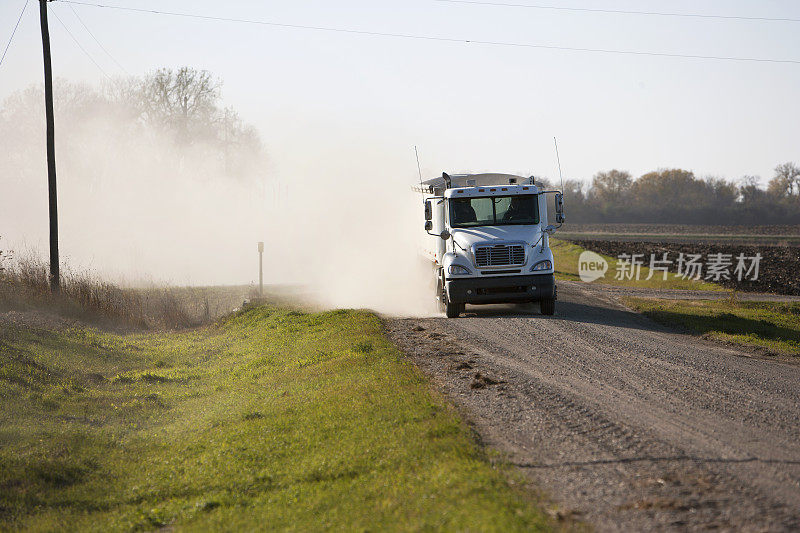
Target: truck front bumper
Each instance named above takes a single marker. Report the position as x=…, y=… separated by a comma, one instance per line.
x=501, y=289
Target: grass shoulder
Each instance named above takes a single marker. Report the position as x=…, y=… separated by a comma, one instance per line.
x=566, y=257
x=770, y=326
x=271, y=418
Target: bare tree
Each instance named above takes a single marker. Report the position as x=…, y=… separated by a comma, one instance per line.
x=786, y=182
x=611, y=187
x=180, y=107
x=184, y=101
x=236, y=139
x=719, y=193
x=749, y=191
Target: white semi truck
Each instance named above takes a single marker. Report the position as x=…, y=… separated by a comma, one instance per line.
x=489, y=240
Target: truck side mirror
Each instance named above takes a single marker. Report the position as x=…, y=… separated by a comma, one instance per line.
x=428, y=211
x=428, y=225
x=560, y=208
x=444, y=235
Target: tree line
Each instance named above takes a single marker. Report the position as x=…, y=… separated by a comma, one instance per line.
x=678, y=196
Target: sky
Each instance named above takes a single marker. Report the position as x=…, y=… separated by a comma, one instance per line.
x=317, y=95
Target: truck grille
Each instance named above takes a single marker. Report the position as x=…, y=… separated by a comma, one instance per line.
x=499, y=255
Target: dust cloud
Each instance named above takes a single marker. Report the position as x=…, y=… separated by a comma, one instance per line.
x=351, y=230
x=137, y=208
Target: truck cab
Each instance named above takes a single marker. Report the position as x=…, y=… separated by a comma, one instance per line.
x=488, y=240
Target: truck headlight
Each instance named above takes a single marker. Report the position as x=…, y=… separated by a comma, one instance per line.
x=542, y=265
x=458, y=270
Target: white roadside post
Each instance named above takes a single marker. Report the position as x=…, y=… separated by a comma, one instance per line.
x=261, y=269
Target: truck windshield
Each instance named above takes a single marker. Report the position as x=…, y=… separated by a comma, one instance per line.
x=494, y=211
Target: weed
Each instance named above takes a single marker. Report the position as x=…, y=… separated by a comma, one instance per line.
x=362, y=347
x=149, y=377
x=207, y=506
x=50, y=404
x=318, y=357
x=24, y=284
x=59, y=472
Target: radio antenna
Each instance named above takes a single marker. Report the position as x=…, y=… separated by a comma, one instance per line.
x=559, y=166
x=418, y=168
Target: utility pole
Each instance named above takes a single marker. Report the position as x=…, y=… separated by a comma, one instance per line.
x=55, y=278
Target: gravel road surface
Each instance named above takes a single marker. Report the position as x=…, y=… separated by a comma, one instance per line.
x=626, y=424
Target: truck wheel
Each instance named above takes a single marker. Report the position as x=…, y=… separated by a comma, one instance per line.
x=441, y=296
x=450, y=309
x=453, y=310
x=548, y=306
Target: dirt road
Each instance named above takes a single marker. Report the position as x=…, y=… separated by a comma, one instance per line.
x=626, y=424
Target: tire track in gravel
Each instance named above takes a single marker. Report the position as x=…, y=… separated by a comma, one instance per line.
x=626, y=423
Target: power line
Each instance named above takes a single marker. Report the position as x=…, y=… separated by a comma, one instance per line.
x=96, y=40
x=79, y=45
x=13, y=32
x=438, y=38
x=619, y=11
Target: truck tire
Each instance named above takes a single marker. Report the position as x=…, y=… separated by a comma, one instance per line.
x=441, y=296
x=450, y=309
x=453, y=310
x=548, y=306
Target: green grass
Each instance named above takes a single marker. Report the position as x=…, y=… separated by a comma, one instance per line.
x=271, y=419
x=566, y=257
x=774, y=327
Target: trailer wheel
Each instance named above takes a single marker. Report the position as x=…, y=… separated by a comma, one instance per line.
x=548, y=306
